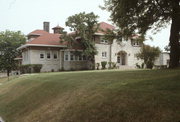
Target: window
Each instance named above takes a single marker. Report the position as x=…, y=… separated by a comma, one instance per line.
x=72, y=57
x=135, y=43
x=84, y=57
x=80, y=58
x=55, y=55
x=104, y=41
x=76, y=58
x=48, y=55
x=41, y=55
x=25, y=56
x=66, y=56
x=118, y=59
x=104, y=54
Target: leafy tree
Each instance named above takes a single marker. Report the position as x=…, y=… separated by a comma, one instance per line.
x=138, y=16
x=84, y=26
x=149, y=55
x=9, y=42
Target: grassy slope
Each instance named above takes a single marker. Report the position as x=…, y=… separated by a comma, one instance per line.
x=105, y=96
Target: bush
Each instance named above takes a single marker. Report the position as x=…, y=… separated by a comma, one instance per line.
x=103, y=64
x=36, y=68
x=138, y=66
x=149, y=64
x=113, y=65
x=110, y=65
x=97, y=66
x=30, y=68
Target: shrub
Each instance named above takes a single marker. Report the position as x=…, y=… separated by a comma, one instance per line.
x=36, y=68
x=113, y=65
x=103, y=64
x=30, y=68
x=110, y=65
x=97, y=66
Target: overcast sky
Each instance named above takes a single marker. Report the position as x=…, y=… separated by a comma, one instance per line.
x=28, y=15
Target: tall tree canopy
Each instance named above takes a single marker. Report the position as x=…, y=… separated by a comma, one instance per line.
x=149, y=55
x=138, y=16
x=84, y=25
x=9, y=42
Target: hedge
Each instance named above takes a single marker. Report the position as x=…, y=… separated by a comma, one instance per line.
x=30, y=68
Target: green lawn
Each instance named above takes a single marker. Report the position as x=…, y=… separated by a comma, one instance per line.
x=92, y=96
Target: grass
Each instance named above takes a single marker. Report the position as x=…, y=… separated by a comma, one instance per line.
x=92, y=96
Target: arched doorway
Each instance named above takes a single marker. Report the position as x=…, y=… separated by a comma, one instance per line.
x=122, y=58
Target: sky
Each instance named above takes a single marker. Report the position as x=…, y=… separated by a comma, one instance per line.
x=29, y=15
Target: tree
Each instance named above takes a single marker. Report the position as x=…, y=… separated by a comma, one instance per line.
x=9, y=42
x=138, y=16
x=84, y=26
x=149, y=55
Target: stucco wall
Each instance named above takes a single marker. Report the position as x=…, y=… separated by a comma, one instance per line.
x=48, y=64
x=116, y=47
x=162, y=59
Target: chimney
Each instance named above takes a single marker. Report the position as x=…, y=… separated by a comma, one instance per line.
x=46, y=26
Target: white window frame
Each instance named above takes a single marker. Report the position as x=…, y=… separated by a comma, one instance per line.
x=49, y=55
x=66, y=56
x=104, y=54
x=72, y=57
x=136, y=43
x=103, y=41
x=80, y=58
x=55, y=53
x=42, y=52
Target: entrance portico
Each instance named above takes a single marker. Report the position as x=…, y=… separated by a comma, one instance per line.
x=122, y=58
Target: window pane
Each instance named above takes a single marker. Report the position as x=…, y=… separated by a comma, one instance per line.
x=48, y=55
x=72, y=57
x=84, y=57
x=41, y=56
x=76, y=58
x=55, y=55
x=80, y=57
x=66, y=57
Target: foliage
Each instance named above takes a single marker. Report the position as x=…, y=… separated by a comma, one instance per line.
x=140, y=66
x=30, y=68
x=9, y=42
x=97, y=66
x=138, y=16
x=167, y=48
x=84, y=26
x=114, y=65
x=149, y=55
x=103, y=64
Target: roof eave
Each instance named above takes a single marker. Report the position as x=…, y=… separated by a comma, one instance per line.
x=39, y=45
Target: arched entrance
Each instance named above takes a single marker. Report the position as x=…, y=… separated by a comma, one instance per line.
x=122, y=58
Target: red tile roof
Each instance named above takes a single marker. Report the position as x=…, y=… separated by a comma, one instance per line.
x=103, y=26
x=38, y=32
x=46, y=38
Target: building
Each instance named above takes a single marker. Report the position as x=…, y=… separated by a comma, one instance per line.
x=163, y=60
x=45, y=48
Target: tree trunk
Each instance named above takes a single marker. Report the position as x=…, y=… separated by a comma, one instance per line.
x=8, y=72
x=174, y=36
x=93, y=63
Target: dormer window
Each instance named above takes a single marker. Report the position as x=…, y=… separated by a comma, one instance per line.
x=104, y=41
x=135, y=43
